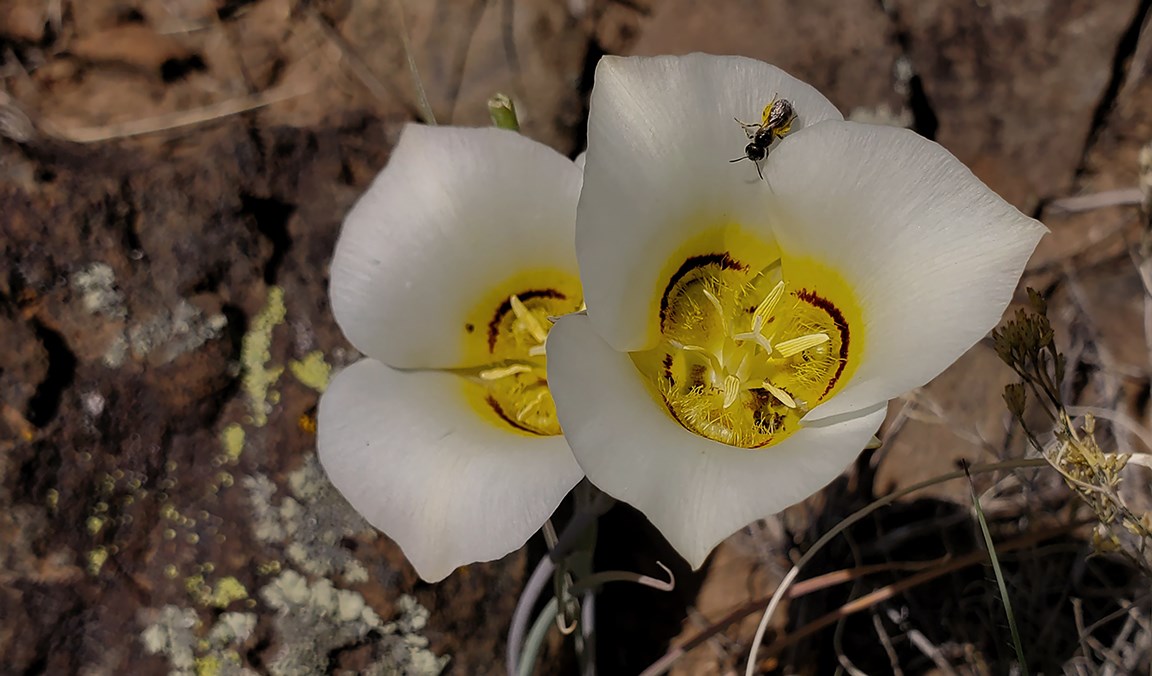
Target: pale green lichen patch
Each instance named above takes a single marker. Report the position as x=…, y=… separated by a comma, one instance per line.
x=310, y=523
x=313, y=620
x=165, y=335
x=256, y=352
x=312, y=370
x=232, y=437
x=96, y=285
x=407, y=652
x=172, y=633
x=176, y=633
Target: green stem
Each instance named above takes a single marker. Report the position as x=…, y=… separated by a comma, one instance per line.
x=1016, y=643
x=536, y=637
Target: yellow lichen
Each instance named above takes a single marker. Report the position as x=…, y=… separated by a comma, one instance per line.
x=96, y=559
x=256, y=352
x=208, y=665
x=312, y=370
x=268, y=568
x=233, y=439
x=227, y=590
x=95, y=523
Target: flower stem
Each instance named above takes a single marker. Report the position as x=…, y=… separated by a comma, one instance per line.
x=536, y=637
x=581, y=521
x=571, y=554
x=536, y=583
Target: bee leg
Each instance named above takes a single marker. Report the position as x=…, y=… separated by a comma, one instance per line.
x=749, y=129
x=758, y=171
x=737, y=159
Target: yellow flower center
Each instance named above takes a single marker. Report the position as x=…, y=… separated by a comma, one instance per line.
x=746, y=349
x=505, y=336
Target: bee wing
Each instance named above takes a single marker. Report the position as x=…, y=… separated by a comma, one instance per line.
x=767, y=114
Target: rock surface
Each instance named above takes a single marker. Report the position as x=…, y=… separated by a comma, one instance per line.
x=164, y=326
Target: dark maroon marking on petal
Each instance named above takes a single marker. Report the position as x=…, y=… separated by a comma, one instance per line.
x=506, y=307
x=667, y=362
x=511, y=421
x=812, y=298
x=724, y=260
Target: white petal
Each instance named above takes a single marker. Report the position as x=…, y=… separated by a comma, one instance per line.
x=660, y=137
x=696, y=491
x=456, y=212
x=932, y=254
x=411, y=455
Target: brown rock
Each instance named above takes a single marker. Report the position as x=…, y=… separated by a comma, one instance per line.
x=855, y=69
x=1015, y=85
x=24, y=20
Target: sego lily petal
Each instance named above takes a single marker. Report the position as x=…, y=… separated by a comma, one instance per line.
x=695, y=490
x=932, y=254
x=660, y=134
x=743, y=335
x=459, y=220
x=409, y=453
x=451, y=266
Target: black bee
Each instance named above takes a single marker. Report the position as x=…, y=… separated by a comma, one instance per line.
x=775, y=122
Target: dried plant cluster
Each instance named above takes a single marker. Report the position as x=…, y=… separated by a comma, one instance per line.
x=1027, y=344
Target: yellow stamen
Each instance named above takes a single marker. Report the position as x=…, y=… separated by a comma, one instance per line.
x=781, y=396
x=791, y=348
x=767, y=306
x=731, y=389
x=504, y=371
x=530, y=321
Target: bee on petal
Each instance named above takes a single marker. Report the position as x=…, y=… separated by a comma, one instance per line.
x=775, y=122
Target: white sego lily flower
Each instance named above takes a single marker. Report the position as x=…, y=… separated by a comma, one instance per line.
x=445, y=275
x=743, y=335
